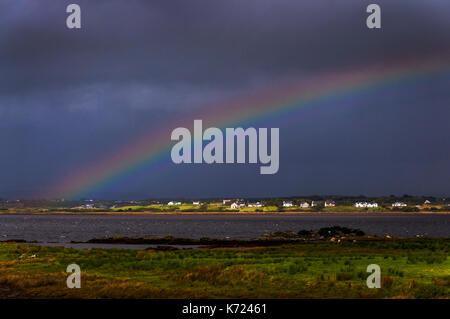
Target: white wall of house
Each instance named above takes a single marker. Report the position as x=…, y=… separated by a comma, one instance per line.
x=287, y=204
x=257, y=204
x=366, y=204
x=399, y=204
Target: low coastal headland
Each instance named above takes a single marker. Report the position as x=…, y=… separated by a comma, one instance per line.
x=326, y=263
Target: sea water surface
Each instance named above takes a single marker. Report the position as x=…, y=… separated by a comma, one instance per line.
x=80, y=228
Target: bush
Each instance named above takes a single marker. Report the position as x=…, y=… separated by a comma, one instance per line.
x=395, y=272
x=430, y=292
x=387, y=281
x=343, y=276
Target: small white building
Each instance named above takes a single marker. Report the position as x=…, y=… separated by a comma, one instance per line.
x=195, y=203
x=257, y=204
x=237, y=206
x=366, y=204
x=304, y=205
x=226, y=201
x=174, y=203
x=287, y=204
x=427, y=202
x=329, y=203
x=399, y=204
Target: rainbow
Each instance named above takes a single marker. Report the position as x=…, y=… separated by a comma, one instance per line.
x=155, y=145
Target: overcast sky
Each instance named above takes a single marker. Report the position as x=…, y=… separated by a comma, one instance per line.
x=71, y=97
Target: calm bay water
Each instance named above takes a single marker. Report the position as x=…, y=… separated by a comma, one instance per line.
x=63, y=229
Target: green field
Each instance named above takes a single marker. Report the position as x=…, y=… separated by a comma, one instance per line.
x=218, y=207
x=213, y=207
x=415, y=268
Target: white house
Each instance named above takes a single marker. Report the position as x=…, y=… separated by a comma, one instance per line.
x=226, y=201
x=366, y=204
x=399, y=204
x=329, y=203
x=427, y=202
x=304, y=205
x=174, y=203
x=195, y=203
x=257, y=204
x=287, y=204
x=237, y=205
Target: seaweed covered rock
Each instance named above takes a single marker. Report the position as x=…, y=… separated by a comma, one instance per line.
x=337, y=231
x=320, y=234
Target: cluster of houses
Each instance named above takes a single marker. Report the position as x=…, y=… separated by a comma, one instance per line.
x=173, y=203
x=179, y=203
x=307, y=205
x=240, y=203
x=236, y=204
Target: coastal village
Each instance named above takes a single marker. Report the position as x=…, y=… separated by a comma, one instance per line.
x=257, y=206
x=262, y=205
x=240, y=203
x=267, y=206
x=278, y=205
x=236, y=204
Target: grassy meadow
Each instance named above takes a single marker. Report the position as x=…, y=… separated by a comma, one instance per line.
x=410, y=268
x=219, y=207
x=209, y=207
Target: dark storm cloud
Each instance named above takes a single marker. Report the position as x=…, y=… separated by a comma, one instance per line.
x=208, y=43
x=73, y=96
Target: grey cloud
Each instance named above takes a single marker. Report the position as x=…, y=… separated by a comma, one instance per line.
x=71, y=97
x=220, y=43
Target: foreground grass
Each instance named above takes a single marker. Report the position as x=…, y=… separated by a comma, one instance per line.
x=416, y=268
